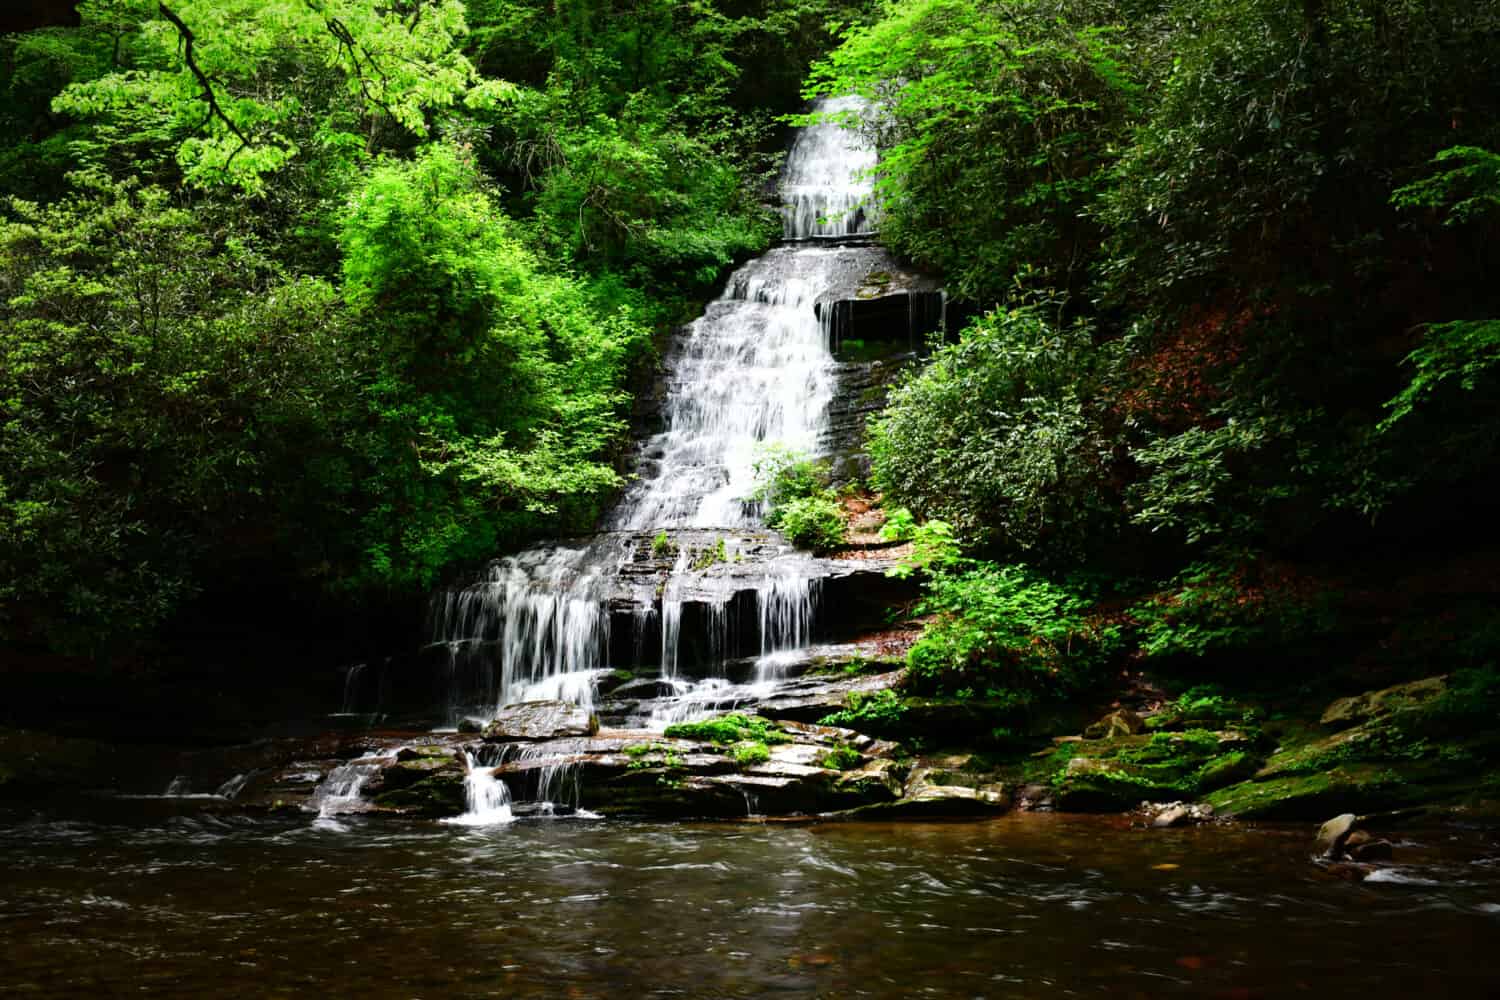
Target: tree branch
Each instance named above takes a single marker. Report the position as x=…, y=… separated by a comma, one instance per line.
x=208, y=96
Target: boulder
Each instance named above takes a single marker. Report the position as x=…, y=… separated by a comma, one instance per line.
x=1361, y=708
x=1332, y=834
x=1174, y=815
x=1121, y=722
x=535, y=721
x=932, y=792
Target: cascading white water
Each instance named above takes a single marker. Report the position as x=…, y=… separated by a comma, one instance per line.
x=339, y=791
x=827, y=188
x=755, y=368
x=487, y=797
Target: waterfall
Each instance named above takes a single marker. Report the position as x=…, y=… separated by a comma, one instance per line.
x=755, y=368
x=339, y=791
x=487, y=797
x=828, y=184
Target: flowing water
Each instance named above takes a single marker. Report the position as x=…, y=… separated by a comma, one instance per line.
x=755, y=369
x=159, y=898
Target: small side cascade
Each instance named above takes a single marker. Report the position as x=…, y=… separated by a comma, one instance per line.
x=338, y=793
x=487, y=797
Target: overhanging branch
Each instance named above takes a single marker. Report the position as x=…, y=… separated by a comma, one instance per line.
x=207, y=96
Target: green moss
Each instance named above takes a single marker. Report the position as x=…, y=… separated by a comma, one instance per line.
x=439, y=795
x=841, y=758
x=732, y=728
x=748, y=753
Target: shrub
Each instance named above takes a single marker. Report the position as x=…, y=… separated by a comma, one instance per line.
x=812, y=523
x=1006, y=628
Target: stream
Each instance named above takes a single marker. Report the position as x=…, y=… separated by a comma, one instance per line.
x=175, y=898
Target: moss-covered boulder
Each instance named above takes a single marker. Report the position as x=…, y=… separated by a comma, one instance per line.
x=440, y=794
x=1428, y=742
x=1106, y=775
x=1370, y=705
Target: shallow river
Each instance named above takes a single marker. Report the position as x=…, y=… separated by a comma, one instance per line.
x=163, y=899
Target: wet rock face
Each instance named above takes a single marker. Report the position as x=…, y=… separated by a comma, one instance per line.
x=540, y=720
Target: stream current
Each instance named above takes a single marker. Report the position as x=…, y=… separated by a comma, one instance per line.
x=175, y=899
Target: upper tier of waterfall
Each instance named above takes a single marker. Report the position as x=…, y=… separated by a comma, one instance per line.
x=827, y=187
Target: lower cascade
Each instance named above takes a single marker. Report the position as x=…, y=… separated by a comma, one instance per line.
x=487, y=797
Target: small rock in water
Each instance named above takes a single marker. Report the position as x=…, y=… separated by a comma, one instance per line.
x=1331, y=835
x=469, y=726
x=1175, y=815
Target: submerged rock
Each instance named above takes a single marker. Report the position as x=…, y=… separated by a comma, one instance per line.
x=540, y=720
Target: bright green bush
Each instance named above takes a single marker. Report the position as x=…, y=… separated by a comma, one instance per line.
x=1003, y=629
x=815, y=523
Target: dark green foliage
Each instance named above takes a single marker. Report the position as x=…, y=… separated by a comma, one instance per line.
x=1213, y=607
x=996, y=435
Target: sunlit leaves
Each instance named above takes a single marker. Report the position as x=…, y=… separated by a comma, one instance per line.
x=240, y=108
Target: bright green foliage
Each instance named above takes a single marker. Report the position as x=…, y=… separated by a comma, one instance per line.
x=1462, y=353
x=815, y=523
x=840, y=758
x=732, y=728
x=504, y=378
x=995, y=437
x=748, y=753
x=716, y=553
x=1467, y=189
x=899, y=526
x=1005, y=628
x=997, y=124
x=198, y=69
x=881, y=710
x=797, y=498
x=662, y=546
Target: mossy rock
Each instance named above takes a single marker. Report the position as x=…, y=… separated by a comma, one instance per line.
x=1389, y=701
x=1305, y=796
x=1118, y=773
x=439, y=794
